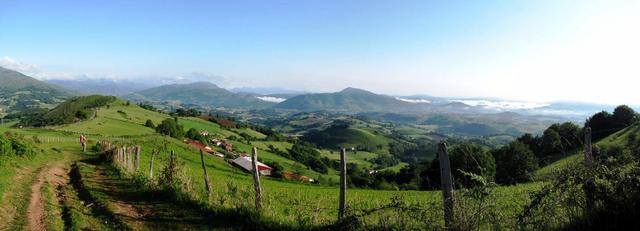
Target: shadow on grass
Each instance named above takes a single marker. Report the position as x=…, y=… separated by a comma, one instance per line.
x=100, y=183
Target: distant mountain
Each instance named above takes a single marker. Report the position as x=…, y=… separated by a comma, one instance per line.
x=19, y=92
x=203, y=94
x=266, y=91
x=347, y=100
x=103, y=86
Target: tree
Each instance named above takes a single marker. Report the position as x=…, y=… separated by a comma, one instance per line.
x=276, y=169
x=194, y=134
x=571, y=135
x=150, y=124
x=600, y=124
x=534, y=143
x=471, y=158
x=514, y=163
x=551, y=145
x=623, y=116
x=171, y=128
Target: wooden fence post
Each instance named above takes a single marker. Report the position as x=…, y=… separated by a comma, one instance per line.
x=588, y=157
x=137, y=158
x=130, y=153
x=120, y=156
x=153, y=154
x=588, y=162
x=172, y=166
x=446, y=182
x=343, y=184
x=256, y=178
x=206, y=177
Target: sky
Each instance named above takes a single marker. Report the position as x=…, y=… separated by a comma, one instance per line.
x=538, y=51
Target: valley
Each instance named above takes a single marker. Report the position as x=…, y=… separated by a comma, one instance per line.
x=502, y=161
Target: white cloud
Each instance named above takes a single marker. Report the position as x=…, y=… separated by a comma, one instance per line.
x=271, y=99
x=502, y=105
x=413, y=100
x=10, y=63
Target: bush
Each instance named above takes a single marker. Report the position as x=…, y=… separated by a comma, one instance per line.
x=606, y=197
x=471, y=158
x=515, y=163
x=171, y=128
x=150, y=124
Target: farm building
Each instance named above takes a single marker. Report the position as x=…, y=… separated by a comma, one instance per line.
x=223, y=144
x=198, y=145
x=245, y=163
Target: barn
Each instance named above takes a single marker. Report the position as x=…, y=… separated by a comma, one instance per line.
x=245, y=163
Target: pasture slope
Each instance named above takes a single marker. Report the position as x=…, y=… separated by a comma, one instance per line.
x=577, y=156
x=75, y=190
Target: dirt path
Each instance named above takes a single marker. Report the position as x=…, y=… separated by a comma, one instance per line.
x=55, y=175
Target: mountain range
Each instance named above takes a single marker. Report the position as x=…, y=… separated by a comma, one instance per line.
x=103, y=86
x=20, y=92
x=204, y=94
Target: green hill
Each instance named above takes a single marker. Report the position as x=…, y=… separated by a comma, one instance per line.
x=347, y=100
x=19, y=92
x=203, y=94
x=577, y=157
x=70, y=111
x=343, y=135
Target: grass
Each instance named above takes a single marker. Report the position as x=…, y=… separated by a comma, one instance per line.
x=288, y=164
x=361, y=158
x=117, y=120
x=284, y=202
x=53, y=212
x=395, y=168
x=577, y=157
x=283, y=146
x=250, y=132
x=290, y=202
x=201, y=124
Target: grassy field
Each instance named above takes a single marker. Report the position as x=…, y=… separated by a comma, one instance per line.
x=293, y=202
x=296, y=204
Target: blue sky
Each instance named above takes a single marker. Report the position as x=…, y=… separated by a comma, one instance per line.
x=526, y=50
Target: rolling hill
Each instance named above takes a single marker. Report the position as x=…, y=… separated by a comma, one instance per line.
x=102, y=86
x=347, y=100
x=19, y=92
x=577, y=157
x=203, y=94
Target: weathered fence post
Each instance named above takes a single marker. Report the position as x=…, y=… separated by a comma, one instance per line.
x=343, y=183
x=256, y=178
x=172, y=166
x=446, y=182
x=120, y=156
x=153, y=154
x=588, y=162
x=206, y=177
x=137, y=158
x=588, y=157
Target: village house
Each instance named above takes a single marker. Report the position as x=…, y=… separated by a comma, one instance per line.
x=198, y=145
x=245, y=163
x=226, y=145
